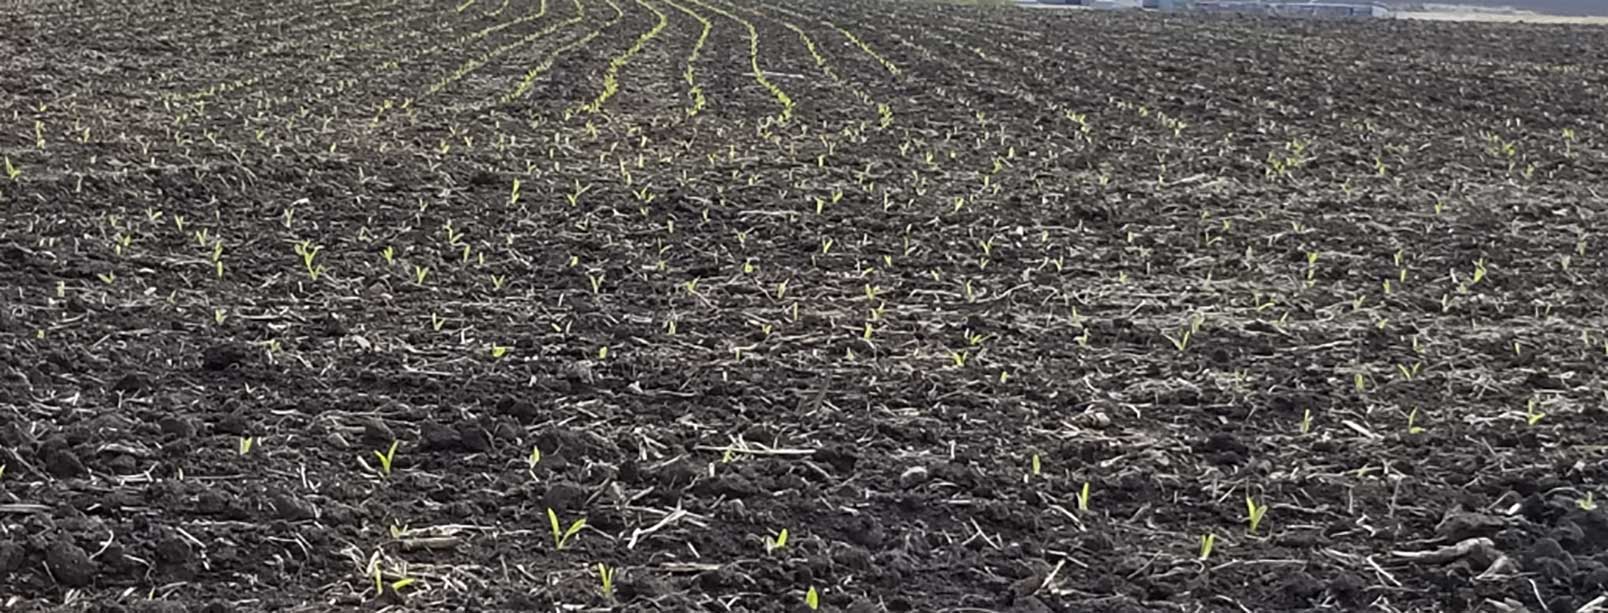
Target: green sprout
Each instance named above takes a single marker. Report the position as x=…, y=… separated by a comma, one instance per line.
x=12, y=172
x=386, y=458
x=1037, y=466
x=812, y=599
x=1589, y=503
x=246, y=443
x=1083, y=498
x=419, y=274
x=605, y=576
x=1306, y=421
x=389, y=253
x=1207, y=541
x=1253, y=515
x=1412, y=423
x=498, y=351
x=1410, y=372
x=778, y=543
x=561, y=536
x=1181, y=342
x=1533, y=414
x=306, y=249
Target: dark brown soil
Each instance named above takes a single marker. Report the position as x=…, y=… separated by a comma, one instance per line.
x=251, y=246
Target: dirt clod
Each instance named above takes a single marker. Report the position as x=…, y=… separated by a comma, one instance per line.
x=69, y=564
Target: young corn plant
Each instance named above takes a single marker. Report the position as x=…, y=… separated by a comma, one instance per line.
x=386, y=458
x=562, y=536
x=605, y=576
x=777, y=543
x=1532, y=412
x=1207, y=542
x=306, y=250
x=1254, y=513
x=812, y=599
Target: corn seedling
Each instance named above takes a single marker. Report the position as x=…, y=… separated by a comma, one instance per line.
x=1083, y=498
x=1253, y=515
x=1207, y=541
x=1532, y=413
x=12, y=172
x=1409, y=372
x=1306, y=421
x=246, y=443
x=1036, y=465
x=777, y=543
x=605, y=576
x=386, y=457
x=812, y=599
x=1412, y=423
x=1181, y=342
x=1588, y=503
x=389, y=254
x=419, y=274
x=562, y=536
x=305, y=249
x=498, y=351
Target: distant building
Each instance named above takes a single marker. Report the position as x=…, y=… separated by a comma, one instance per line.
x=1336, y=9
x=1330, y=9
x=1115, y=4
x=1096, y=4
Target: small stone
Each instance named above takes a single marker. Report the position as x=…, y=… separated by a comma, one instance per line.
x=376, y=433
x=1097, y=420
x=862, y=606
x=177, y=427
x=131, y=383
x=913, y=477
x=436, y=437
x=222, y=357
x=1459, y=527
x=291, y=508
x=61, y=462
x=12, y=557
x=234, y=424
x=473, y=438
